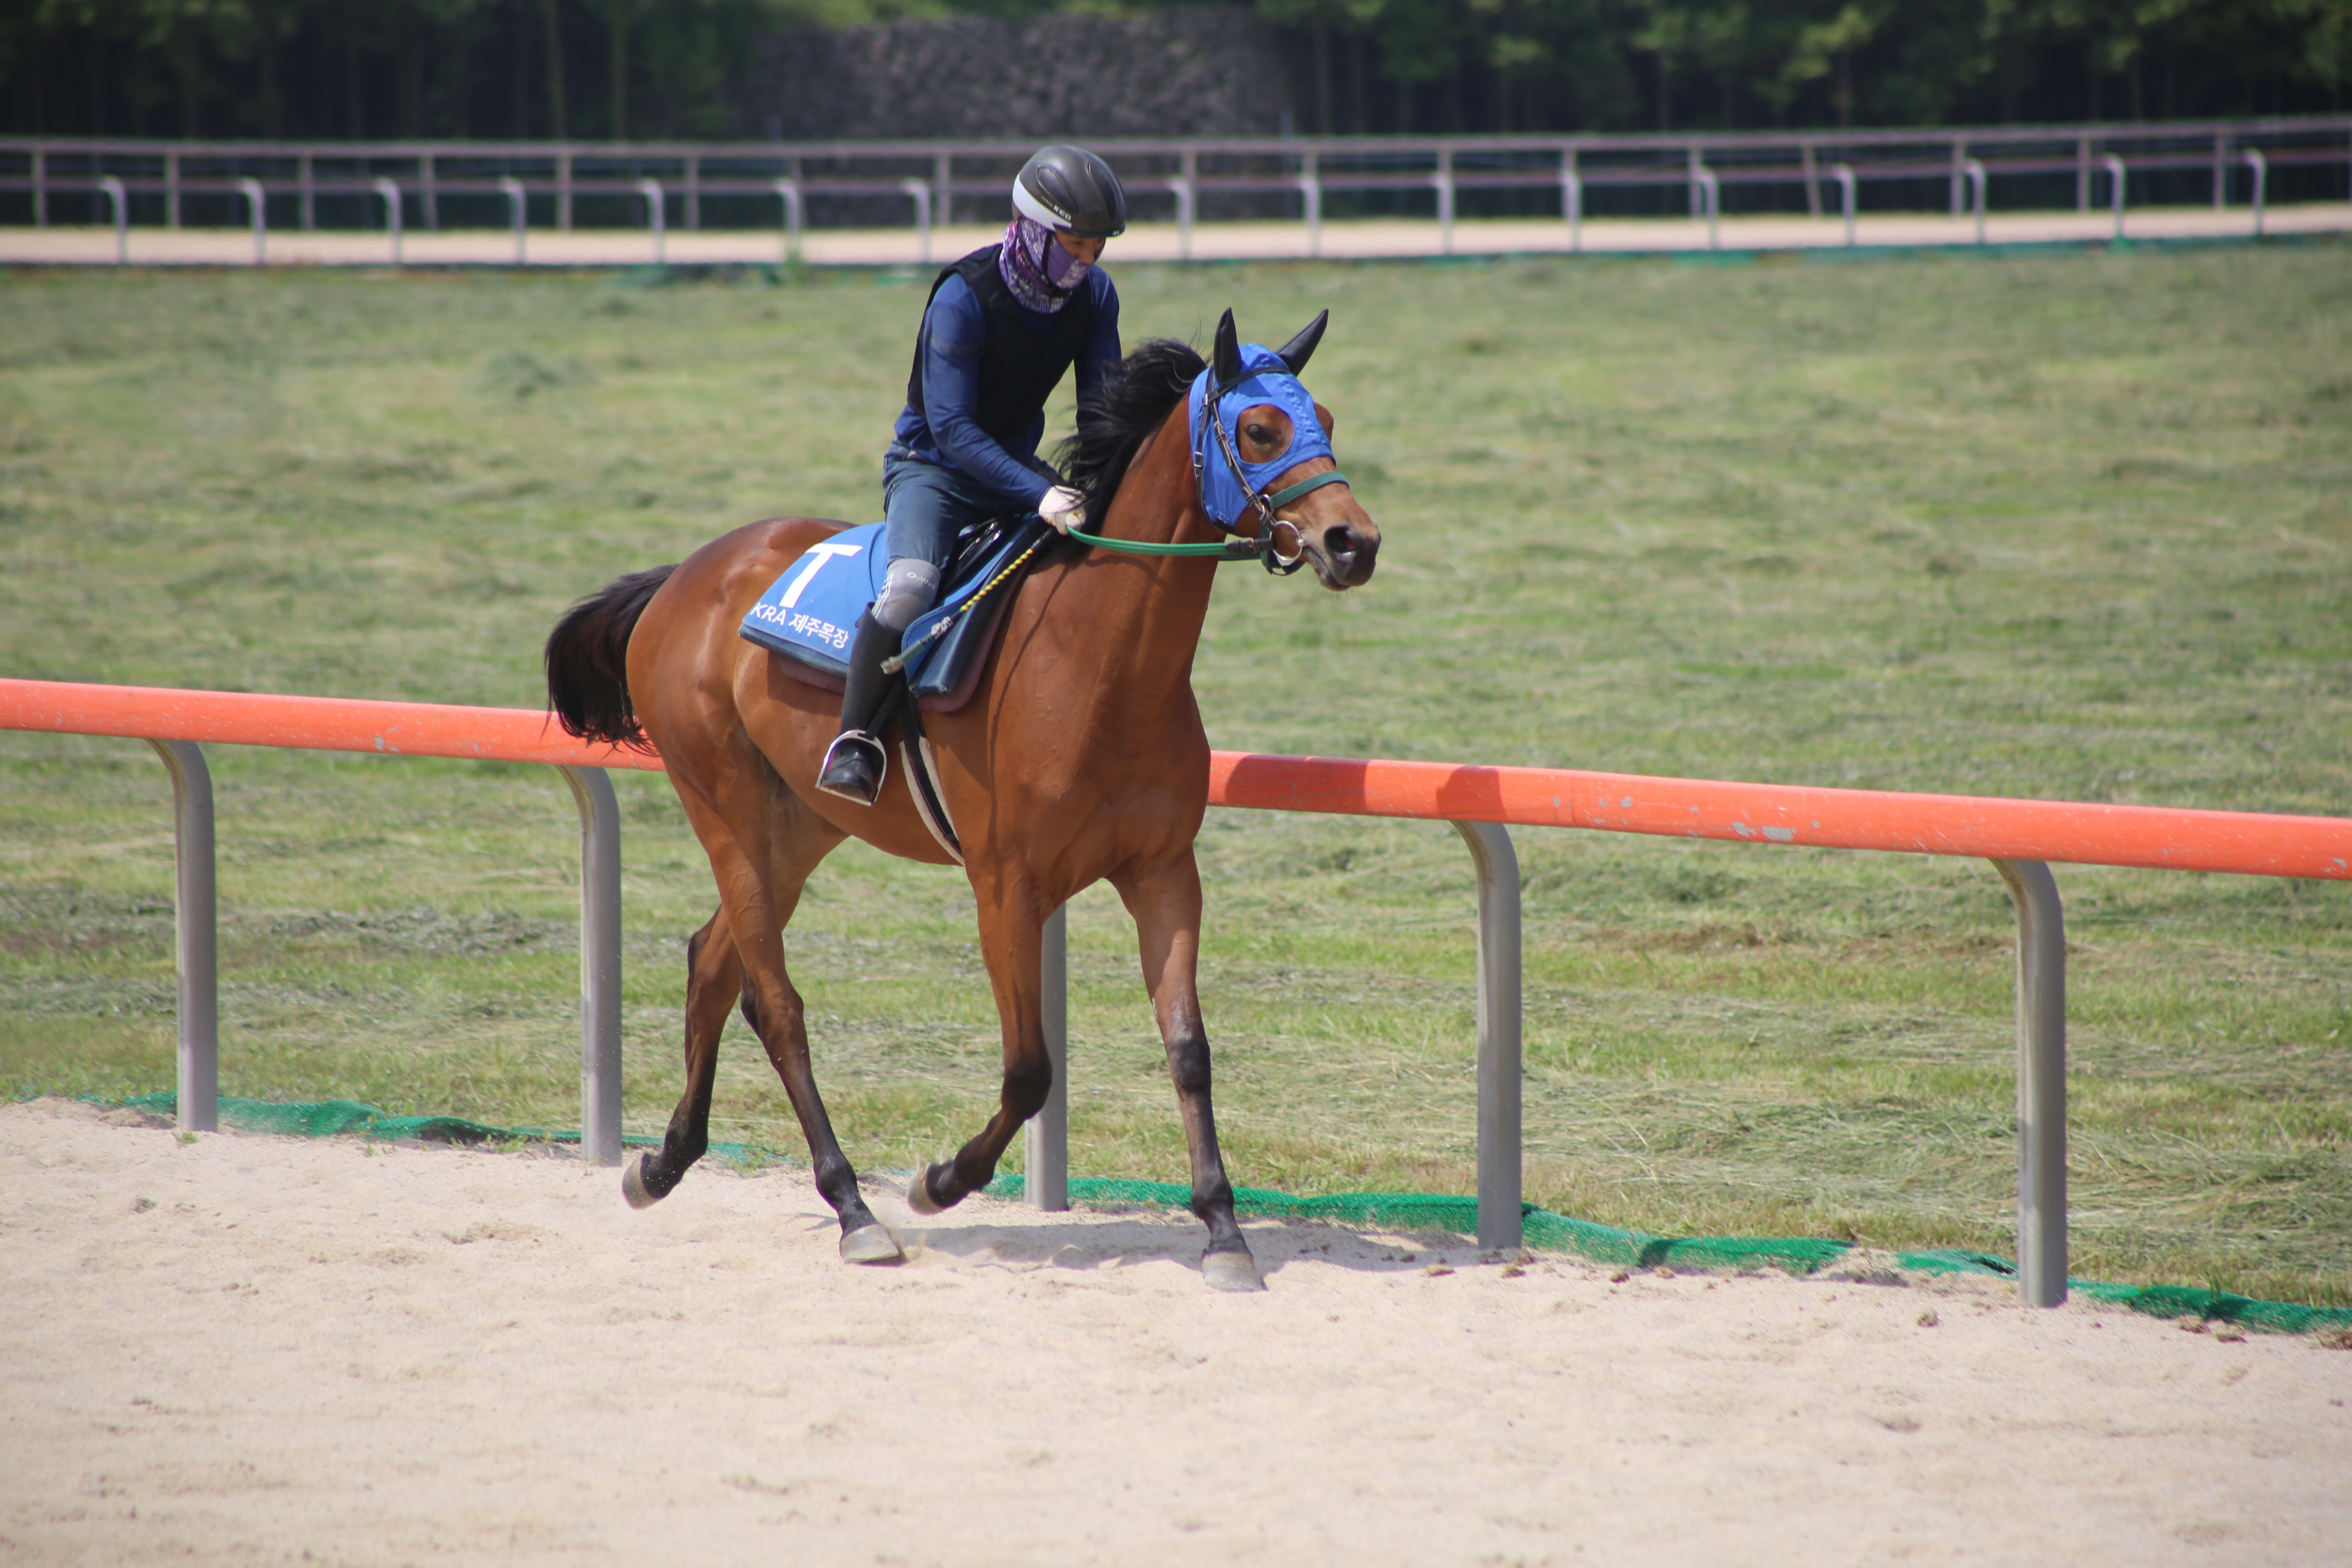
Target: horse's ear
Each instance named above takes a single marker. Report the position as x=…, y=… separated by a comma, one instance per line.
x=1227, y=360
x=1298, y=350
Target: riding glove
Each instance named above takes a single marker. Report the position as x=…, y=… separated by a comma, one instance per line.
x=1063, y=509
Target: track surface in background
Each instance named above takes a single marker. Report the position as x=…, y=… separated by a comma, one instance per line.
x=1245, y=240
x=2072, y=527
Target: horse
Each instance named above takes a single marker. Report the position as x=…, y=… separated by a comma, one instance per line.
x=1079, y=758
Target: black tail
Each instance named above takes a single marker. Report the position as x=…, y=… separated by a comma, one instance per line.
x=587, y=661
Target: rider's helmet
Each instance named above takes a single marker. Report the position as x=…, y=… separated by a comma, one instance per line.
x=1071, y=191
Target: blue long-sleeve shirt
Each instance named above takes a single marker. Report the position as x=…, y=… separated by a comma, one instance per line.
x=954, y=336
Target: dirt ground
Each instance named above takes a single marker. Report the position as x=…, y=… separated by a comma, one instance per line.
x=62, y=244
x=261, y=1349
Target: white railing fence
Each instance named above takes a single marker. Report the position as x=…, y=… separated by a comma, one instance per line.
x=653, y=186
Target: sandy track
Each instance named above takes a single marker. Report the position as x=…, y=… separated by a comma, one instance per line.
x=1368, y=238
x=266, y=1349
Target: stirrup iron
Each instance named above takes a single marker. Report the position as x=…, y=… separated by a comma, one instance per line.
x=855, y=766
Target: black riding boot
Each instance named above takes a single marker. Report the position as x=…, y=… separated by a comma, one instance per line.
x=856, y=763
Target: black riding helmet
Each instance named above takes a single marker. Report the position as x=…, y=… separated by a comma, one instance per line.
x=1071, y=191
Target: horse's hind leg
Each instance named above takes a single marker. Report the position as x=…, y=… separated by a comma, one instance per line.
x=1165, y=900
x=763, y=841
x=714, y=975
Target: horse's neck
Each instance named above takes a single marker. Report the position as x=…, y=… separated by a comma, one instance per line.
x=1148, y=611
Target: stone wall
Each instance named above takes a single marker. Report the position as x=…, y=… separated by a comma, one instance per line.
x=1190, y=71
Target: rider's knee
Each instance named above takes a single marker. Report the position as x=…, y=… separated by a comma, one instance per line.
x=907, y=590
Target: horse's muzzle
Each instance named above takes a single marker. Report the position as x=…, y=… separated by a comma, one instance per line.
x=1344, y=554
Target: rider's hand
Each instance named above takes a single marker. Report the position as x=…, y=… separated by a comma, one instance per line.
x=1063, y=509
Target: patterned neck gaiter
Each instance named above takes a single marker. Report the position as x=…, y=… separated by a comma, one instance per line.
x=1040, y=273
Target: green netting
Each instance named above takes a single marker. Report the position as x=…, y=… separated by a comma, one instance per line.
x=1389, y=1211
x=1426, y=1211
x=2155, y=1301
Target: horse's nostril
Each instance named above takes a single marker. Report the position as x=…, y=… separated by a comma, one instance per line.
x=1340, y=541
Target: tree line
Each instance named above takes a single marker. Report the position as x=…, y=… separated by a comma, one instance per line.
x=620, y=69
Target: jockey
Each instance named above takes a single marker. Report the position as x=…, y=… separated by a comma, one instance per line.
x=1002, y=326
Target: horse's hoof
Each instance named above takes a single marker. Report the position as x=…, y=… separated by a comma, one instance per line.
x=1231, y=1271
x=918, y=1193
x=870, y=1244
x=632, y=1184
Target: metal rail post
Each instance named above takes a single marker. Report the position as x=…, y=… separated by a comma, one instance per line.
x=1703, y=181
x=518, y=207
x=599, y=964
x=40, y=188
x=114, y=194
x=2220, y=170
x=654, y=217
x=1976, y=173
x=1310, y=201
x=1960, y=162
x=309, y=194
x=563, y=192
x=2041, y=1082
x=694, y=194
x=1812, y=181
x=391, y=194
x=172, y=189
x=1186, y=185
x=921, y=194
x=2083, y=174
x=424, y=174
x=943, y=182
x=1844, y=174
x=1499, y=1187
x=195, y=935
x=2115, y=168
x=2255, y=162
x=259, y=203
x=1047, y=1184
x=1181, y=187
x=794, y=216
x=1443, y=181
x=1571, y=201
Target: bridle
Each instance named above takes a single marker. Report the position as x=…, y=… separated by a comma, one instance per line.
x=1266, y=549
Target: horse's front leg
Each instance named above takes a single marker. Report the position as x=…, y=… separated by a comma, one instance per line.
x=1165, y=900
x=1012, y=930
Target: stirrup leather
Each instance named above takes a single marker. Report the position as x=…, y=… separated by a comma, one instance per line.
x=855, y=766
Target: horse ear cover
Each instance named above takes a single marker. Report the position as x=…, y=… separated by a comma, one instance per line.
x=1301, y=349
x=1227, y=361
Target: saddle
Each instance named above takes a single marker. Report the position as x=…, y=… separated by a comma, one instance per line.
x=808, y=617
x=809, y=614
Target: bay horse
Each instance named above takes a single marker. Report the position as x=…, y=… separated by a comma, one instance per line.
x=1079, y=758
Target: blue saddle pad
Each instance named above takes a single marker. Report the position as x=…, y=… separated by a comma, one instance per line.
x=809, y=614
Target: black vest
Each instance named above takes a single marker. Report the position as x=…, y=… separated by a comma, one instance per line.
x=1020, y=367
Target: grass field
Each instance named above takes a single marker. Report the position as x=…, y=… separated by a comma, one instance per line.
x=2071, y=526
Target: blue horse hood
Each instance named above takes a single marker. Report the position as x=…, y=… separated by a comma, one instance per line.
x=1267, y=380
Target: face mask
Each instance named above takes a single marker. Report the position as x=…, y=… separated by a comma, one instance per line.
x=1062, y=271
x=1267, y=380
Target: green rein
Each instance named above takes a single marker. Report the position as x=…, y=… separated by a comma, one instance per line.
x=1225, y=549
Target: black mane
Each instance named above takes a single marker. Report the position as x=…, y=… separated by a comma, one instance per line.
x=1129, y=405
